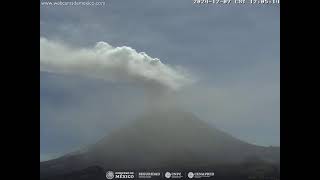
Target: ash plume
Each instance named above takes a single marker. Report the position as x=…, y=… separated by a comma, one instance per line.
x=110, y=63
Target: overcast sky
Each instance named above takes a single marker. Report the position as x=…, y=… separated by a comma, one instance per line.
x=232, y=50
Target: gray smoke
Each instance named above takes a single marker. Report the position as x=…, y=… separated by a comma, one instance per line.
x=110, y=63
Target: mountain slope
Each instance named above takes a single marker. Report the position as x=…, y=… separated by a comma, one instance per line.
x=164, y=139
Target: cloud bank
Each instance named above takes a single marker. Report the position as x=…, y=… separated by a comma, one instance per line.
x=110, y=63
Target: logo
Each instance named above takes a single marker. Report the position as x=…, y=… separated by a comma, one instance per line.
x=173, y=175
x=148, y=175
x=198, y=175
x=110, y=175
x=190, y=175
x=119, y=175
x=167, y=174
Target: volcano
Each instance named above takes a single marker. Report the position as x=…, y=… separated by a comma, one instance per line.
x=162, y=140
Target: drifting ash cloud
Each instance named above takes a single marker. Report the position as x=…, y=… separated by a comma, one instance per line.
x=112, y=64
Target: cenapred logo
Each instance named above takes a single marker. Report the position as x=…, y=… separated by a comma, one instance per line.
x=110, y=175
x=198, y=175
x=190, y=175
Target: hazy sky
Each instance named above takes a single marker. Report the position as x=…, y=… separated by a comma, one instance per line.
x=232, y=50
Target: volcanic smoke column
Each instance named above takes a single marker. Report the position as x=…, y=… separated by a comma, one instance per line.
x=109, y=63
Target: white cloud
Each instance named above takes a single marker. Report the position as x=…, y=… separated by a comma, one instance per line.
x=110, y=63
